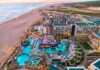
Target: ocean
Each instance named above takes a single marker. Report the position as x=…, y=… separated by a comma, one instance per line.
x=10, y=11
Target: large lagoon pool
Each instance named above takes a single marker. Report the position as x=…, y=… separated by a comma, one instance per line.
x=26, y=57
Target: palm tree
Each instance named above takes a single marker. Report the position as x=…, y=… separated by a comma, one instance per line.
x=59, y=52
x=71, y=62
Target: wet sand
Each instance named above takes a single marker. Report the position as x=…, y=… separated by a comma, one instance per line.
x=10, y=32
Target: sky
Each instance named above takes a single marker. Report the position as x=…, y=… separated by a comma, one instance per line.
x=41, y=1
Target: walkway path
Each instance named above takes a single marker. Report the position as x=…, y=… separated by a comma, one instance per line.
x=85, y=55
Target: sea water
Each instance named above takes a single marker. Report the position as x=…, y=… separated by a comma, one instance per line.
x=10, y=11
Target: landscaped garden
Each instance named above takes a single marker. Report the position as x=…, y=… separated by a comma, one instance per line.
x=85, y=45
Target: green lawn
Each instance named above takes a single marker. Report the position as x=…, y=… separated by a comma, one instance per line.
x=85, y=45
x=71, y=61
x=77, y=58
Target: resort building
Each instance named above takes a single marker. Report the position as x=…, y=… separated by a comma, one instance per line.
x=92, y=26
x=56, y=29
x=47, y=29
x=81, y=30
x=95, y=40
x=57, y=24
x=95, y=35
x=54, y=18
x=61, y=29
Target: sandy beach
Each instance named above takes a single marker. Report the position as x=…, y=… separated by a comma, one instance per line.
x=10, y=32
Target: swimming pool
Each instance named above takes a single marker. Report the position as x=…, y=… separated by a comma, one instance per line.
x=51, y=51
x=27, y=50
x=37, y=46
x=22, y=59
x=62, y=47
x=31, y=40
x=35, y=62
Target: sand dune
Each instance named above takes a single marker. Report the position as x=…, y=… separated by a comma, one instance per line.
x=10, y=32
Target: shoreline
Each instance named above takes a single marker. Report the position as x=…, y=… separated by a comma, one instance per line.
x=24, y=13
x=11, y=30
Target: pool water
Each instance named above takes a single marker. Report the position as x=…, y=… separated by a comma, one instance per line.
x=31, y=40
x=22, y=59
x=37, y=45
x=27, y=50
x=25, y=56
x=35, y=62
x=51, y=51
x=62, y=47
x=97, y=64
x=65, y=53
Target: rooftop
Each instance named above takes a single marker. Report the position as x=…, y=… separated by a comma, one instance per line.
x=97, y=64
x=81, y=24
x=97, y=34
x=97, y=22
x=59, y=24
x=76, y=68
x=86, y=18
x=91, y=23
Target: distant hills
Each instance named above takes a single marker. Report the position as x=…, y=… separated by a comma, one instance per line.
x=90, y=8
x=89, y=3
